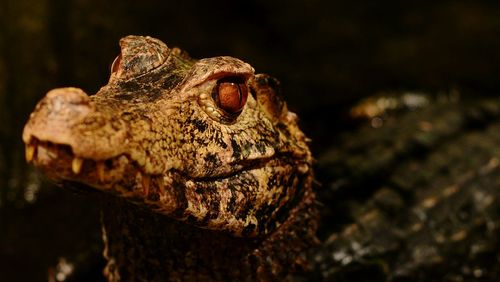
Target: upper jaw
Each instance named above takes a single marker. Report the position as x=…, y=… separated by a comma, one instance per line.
x=69, y=139
x=67, y=116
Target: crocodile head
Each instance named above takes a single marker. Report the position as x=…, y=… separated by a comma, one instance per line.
x=203, y=141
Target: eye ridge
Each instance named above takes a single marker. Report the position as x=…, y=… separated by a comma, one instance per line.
x=230, y=95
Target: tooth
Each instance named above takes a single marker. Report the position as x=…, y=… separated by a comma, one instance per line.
x=100, y=170
x=76, y=165
x=30, y=152
x=146, y=179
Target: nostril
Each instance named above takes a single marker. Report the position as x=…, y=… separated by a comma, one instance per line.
x=68, y=95
x=56, y=114
x=66, y=102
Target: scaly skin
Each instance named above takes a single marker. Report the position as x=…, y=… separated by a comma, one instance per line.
x=415, y=198
x=194, y=192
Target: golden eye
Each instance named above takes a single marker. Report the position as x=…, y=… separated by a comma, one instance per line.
x=115, y=66
x=230, y=95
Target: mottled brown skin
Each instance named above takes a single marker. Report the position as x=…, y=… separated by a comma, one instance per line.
x=193, y=192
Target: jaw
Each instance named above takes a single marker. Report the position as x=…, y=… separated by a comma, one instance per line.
x=119, y=176
x=237, y=204
x=119, y=173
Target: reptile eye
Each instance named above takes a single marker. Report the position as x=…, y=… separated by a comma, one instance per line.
x=230, y=95
x=116, y=63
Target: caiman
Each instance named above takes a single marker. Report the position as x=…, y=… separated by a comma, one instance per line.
x=205, y=175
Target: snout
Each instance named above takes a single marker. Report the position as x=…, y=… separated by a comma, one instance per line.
x=67, y=116
x=56, y=114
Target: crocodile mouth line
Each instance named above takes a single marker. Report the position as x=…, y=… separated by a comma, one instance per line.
x=65, y=165
x=96, y=173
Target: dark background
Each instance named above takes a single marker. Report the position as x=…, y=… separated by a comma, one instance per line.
x=327, y=54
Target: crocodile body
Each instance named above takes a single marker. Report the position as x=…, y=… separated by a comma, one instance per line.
x=414, y=199
x=195, y=188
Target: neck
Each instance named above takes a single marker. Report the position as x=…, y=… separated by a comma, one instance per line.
x=141, y=245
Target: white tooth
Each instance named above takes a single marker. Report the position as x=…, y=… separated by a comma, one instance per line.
x=100, y=170
x=30, y=152
x=146, y=180
x=76, y=165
